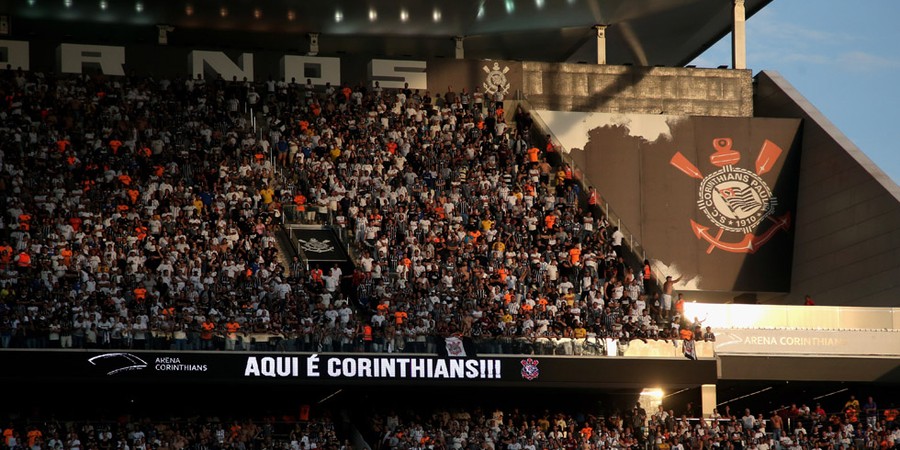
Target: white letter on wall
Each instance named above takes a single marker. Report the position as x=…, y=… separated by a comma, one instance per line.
x=323, y=70
x=14, y=54
x=221, y=64
x=71, y=58
x=392, y=74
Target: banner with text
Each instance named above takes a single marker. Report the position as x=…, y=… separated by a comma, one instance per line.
x=807, y=342
x=349, y=369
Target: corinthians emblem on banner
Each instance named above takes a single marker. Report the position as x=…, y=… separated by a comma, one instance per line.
x=735, y=199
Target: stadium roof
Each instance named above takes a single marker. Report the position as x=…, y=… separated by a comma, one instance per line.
x=640, y=32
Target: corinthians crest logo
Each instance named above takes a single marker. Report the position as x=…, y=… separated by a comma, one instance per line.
x=735, y=199
x=316, y=246
x=495, y=81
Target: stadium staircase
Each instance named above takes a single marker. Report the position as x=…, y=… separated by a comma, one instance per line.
x=635, y=252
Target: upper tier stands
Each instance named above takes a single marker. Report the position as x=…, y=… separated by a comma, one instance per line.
x=143, y=213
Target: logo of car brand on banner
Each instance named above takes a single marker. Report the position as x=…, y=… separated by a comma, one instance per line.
x=735, y=199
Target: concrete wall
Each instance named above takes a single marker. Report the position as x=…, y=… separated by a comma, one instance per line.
x=648, y=90
x=847, y=238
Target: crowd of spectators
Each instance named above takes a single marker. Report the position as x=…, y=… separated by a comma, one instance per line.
x=530, y=427
x=197, y=433
x=143, y=213
x=803, y=429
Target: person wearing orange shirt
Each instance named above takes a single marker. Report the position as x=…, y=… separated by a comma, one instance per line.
x=593, y=197
x=25, y=221
x=575, y=254
x=550, y=221
x=300, y=202
x=207, y=328
x=66, y=254
x=587, y=432
x=231, y=330
x=140, y=294
x=367, y=337
x=400, y=316
x=75, y=222
x=125, y=179
x=8, y=435
x=141, y=232
x=534, y=155
x=316, y=276
x=6, y=252
x=23, y=260
x=501, y=274
x=114, y=145
x=33, y=435
x=133, y=195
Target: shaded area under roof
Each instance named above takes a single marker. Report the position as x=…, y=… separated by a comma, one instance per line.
x=640, y=32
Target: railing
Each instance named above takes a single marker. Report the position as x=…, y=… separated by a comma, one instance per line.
x=274, y=342
x=290, y=216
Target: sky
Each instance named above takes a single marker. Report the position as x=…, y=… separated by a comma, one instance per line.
x=843, y=56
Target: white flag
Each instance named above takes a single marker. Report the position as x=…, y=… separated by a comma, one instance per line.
x=455, y=347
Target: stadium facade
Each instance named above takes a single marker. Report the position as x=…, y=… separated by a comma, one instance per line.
x=730, y=181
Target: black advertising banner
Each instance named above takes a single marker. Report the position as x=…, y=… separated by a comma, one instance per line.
x=711, y=199
x=319, y=245
x=351, y=369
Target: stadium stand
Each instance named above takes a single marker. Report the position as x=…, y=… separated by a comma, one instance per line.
x=143, y=213
x=408, y=425
x=789, y=428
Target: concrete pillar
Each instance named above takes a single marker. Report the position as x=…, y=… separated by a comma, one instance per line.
x=708, y=399
x=650, y=399
x=460, y=51
x=739, y=37
x=163, y=38
x=313, y=44
x=601, y=43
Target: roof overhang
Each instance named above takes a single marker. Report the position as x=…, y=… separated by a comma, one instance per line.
x=639, y=32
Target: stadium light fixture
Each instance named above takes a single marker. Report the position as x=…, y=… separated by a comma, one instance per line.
x=139, y=7
x=436, y=15
x=404, y=15
x=67, y=3
x=373, y=15
x=189, y=9
x=103, y=5
x=338, y=16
